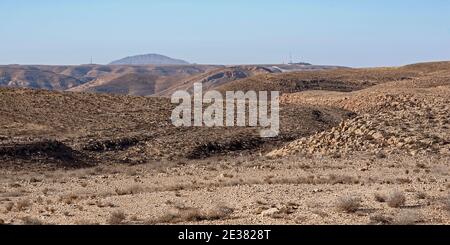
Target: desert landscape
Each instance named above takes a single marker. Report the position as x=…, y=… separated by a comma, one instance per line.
x=94, y=144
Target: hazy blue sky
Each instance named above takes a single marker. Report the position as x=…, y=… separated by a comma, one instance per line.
x=343, y=32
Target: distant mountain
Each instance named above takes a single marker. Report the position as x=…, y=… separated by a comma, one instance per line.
x=149, y=59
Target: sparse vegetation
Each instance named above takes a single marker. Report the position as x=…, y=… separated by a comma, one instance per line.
x=447, y=203
x=31, y=221
x=130, y=190
x=117, y=218
x=380, y=219
x=23, y=204
x=421, y=195
x=348, y=204
x=83, y=222
x=189, y=214
x=9, y=206
x=68, y=199
x=407, y=217
x=396, y=199
x=380, y=197
x=342, y=179
x=218, y=212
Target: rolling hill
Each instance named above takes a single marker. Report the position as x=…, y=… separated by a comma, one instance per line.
x=142, y=80
x=33, y=77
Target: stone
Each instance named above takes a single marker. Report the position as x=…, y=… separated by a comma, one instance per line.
x=378, y=136
x=270, y=212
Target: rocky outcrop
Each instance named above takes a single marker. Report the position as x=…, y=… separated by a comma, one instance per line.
x=405, y=123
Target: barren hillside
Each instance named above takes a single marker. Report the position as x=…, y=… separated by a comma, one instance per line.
x=106, y=128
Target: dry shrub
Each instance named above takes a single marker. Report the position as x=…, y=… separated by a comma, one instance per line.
x=9, y=206
x=421, y=165
x=83, y=222
x=283, y=213
x=403, y=181
x=380, y=155
x=131, y=190
x=348, y=204
x=408, y=217
x=178, y=215
x=170, y=217
x=320, y=213
x=45, y=191
x=380, y=197
x=447, y=203
x=342, y=179
x=117, y=218
x=18, y=193
x=189, y=214
x=23, y=205
x=132, y=172
x=380, y=219
x=396, y=199
x=134, y=218
x=31, y=221
x=68, y=199
x=422, y=195
x=218, y=212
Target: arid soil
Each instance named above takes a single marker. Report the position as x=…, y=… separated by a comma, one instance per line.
x=357, y=146
x=362, y=189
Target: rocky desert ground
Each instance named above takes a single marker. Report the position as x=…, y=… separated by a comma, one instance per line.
x=357, y=146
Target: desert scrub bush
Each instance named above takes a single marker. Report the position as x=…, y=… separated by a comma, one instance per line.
x=31, y=221
x=447, y=203
x=380, y=219
x=380, y=197
x=130, y=190
x=380, y=155
x=117, y=217
x=189, y=214
x=83, y=222
x=68, y=199
x=342, y=179
x=218, y=212
x=180, y=214
x=169, y=217
x=23, y=205
x=421, y=195
x=396, y=199
x=9, y=206
x=348, y=204
x=407, y=217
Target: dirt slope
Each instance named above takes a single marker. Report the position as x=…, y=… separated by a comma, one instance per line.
x=105, y=128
